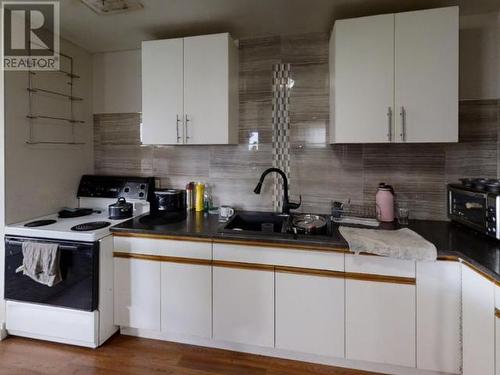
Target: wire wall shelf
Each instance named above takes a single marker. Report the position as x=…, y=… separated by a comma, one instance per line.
x=33, y=117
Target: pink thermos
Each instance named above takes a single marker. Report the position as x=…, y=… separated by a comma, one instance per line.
x=384, y=200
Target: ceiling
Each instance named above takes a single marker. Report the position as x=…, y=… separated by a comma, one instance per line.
x=242, y=18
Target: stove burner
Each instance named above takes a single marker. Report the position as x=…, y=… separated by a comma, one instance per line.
x=75, y=212
x=92, y=225
x=39, y=223
x=482, y=184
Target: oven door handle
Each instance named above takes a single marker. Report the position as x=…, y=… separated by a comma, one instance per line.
x=62, y=247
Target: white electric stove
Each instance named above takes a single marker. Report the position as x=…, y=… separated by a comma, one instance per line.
x=79, y=309
x=54, y=227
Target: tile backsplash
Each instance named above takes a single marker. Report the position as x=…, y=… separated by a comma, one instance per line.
x=319, y=172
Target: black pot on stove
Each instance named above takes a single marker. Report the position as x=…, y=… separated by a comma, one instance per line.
x=120, y=210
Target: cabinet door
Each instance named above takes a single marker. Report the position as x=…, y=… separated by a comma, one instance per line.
x=243, y=306
x=478, y=324
x=380, y=322
x=186, y=298
x=162, y=90
x=426, y=71
x=310, y=314
x=137, y=293
x=497, y=344
x=206, y=83
x=497, y=341
x=362, y=80
x=438, y=316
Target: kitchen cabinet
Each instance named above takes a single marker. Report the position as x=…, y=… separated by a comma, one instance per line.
x=393, y=80
x=162, y=88
x=190, y=90
x=497, y=329
x=186, y=299
x=362, y=80
x=380, y=310
x=438, y=316
x=478, y=323
x=310, y=314
x=243, y=306
x=497, y=343
x=136, y=293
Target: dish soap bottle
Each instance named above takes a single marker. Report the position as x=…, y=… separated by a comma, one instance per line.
x=384, y=201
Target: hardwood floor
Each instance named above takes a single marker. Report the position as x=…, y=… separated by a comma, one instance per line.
x=131, y=355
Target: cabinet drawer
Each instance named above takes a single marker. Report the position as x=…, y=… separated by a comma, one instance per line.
x=325, y=260
x=160, y=247
x=378, y=265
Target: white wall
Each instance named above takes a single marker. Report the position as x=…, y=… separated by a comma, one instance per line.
x=40, y=179
x=480, y=56
x=117, y=82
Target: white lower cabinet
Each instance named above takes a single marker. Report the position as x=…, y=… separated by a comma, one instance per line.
x=497, y=346
x=478, y=323
x=380, y=316
x=438, y=316
x=137, y=293
x=186, y=299
x=380, y=322
x=310, y=314
x=243, y=306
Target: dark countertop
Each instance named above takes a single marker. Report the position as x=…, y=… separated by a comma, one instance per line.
x=451, y=240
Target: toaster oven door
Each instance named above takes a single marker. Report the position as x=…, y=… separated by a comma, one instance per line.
x=469, y=208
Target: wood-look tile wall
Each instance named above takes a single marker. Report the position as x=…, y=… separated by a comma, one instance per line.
x=319, y=172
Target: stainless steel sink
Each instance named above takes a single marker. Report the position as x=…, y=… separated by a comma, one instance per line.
x=257, y=222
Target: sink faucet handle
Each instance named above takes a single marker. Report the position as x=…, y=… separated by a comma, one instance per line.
x=294, y=206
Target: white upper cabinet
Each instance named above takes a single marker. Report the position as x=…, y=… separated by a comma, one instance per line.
x=426, y=83
x=210, y=89
x=190, y=90
x=162, y=87
x=394, y=78
x=362, y=76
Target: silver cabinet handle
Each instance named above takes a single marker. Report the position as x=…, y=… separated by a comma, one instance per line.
x=389, y=124
x=187, y=123
x=177, y=128
x=403, y=124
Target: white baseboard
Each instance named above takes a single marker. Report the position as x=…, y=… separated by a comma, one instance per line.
x=59, y=340
x=273, y=352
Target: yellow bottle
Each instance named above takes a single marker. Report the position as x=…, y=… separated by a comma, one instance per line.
x=199, y=196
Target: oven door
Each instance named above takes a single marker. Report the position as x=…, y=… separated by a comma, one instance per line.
x=469, y=208
x=79, y=265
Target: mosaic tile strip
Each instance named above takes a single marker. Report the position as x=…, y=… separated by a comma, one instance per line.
x=282, y=83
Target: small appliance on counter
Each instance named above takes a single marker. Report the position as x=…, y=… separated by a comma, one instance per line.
x=475, y=202
x=169, y=200
x=384, y=201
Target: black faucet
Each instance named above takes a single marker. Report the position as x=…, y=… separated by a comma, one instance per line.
x=287, y=205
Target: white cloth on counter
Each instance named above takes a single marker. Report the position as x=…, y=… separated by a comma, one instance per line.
x=41, y=262
x=402, y=243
